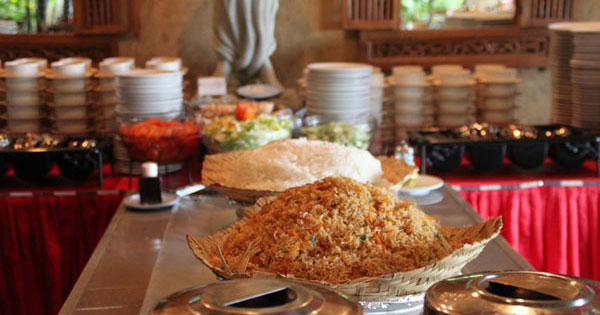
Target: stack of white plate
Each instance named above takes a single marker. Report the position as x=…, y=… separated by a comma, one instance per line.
x=561, y=52
x=411, y=95
x=454, y=95
x=339, y=91
x=70, y=98
x=585, y=75
x=24, y=100
x=497, y=88
x=105, y=95
x=143, y=93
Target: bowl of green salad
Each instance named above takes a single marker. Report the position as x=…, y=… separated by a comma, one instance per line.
x=245, y=130
x=354, y=133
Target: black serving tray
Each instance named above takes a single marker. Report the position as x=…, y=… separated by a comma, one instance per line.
x=487, y=153
x=76, y=163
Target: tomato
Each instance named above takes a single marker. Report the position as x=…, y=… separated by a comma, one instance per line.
x=244, y=111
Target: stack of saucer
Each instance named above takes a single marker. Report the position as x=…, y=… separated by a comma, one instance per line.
x=585, y=75
x=69, y=96
x=145, y=93
x=411, y=94
x=561, y=52
x=454, y=91
x=24, y=98
x=383, y=112
x=496, y=93
x=106, y=97
x=339, y=91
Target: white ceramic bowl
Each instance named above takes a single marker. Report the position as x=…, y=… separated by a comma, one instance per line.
x=454, y=77
x=25, y=112
x=28, y=98
x=498, y=117
x=74, y=126
x=85, y=60
x=406, y=69
x=107, y=83
x=454, y=107
x=452, y=121
x=409, y=92
x=499, y=74
x=408, y=78
x=116, y=64
x=492, y=89
x=408, y=120
x=70, y=85
x=70, y=99
x=26, y=68
x=497, y=103
x=24, y=125
x=408, y=106
x=107, y=97
x=24, y=84
x=70, y=112
x=68, y=68
x=164, y=63
x=446, y=68
x=454, y=92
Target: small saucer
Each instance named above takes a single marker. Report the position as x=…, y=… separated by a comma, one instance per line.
x=133, y=202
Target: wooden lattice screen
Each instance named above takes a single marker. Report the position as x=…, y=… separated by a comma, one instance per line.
x=540, y=13
x=105, y=16
x=371, y=14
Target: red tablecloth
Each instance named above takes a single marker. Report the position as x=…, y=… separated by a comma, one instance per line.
x=551, y=215
x=48, y=232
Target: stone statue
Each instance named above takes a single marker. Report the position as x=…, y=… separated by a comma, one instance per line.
x=244, y=32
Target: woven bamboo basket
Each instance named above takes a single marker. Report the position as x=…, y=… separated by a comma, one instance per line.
x=366, y=289
x=215, y=165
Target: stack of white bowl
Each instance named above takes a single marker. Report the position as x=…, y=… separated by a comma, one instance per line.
x=497, y=89
x=454, y=95
x=411, y=96
x=70, y=98
x=24, y=98
x=339, y=91
x=166, y=63
x=106, y=97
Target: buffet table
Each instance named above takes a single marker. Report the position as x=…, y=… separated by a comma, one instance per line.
x=143, y=256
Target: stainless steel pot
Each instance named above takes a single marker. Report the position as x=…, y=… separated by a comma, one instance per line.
x=257, y=296
x=513, y=292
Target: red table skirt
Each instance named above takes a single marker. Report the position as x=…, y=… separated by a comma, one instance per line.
x=45, y=242
x=554, y=227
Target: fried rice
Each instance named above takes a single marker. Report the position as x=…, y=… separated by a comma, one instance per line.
x=334, y=230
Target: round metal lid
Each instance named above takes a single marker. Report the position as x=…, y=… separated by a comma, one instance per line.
x=513, y=292
x=257, y=296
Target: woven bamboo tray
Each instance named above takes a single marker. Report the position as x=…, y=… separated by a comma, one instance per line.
x=366, y=289
x=214, y=165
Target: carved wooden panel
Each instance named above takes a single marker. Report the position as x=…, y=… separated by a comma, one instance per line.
x=106, y=16
x=466, y=47
x=371, y=14
x=54, y=47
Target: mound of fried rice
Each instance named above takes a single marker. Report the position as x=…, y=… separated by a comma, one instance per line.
x=335, y=230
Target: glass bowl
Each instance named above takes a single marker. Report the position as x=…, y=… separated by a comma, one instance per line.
x=356, y=133
x=161, y=141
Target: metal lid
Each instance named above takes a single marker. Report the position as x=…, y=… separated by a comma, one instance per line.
x=513, y=292
x=257, y=296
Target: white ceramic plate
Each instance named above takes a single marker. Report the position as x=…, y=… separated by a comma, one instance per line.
x=133, y=202
x=423, y=185
x=258, y=91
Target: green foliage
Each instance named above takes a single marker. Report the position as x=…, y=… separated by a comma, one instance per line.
x=423, y=12
x=16, y=10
